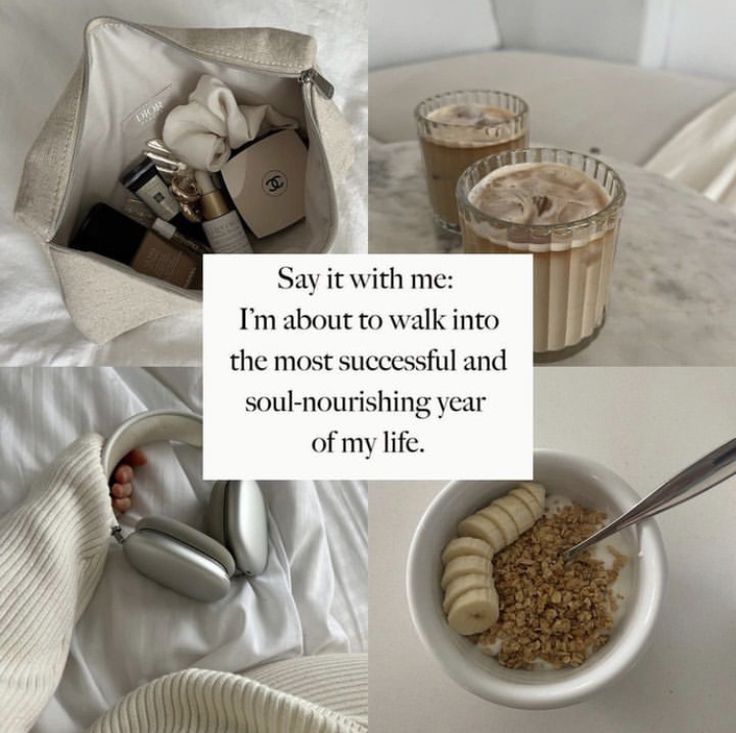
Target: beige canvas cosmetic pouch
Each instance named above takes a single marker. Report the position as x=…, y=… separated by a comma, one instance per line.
x=130, y=76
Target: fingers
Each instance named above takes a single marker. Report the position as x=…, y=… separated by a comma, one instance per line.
x=135, y=458
x=123, y=474
x=121, y=497
x=122, y=505
x=121, y=490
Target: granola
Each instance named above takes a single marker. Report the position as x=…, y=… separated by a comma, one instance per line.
x=553, y=613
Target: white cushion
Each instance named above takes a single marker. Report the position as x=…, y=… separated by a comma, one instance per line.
x=625, y=111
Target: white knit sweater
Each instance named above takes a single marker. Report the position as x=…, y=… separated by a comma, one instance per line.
x=52, y=552
x=202, y=701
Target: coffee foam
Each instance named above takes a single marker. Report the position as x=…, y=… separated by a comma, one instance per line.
x=539, y=193
x=471, y=124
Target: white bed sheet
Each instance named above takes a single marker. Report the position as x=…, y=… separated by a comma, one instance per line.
x=40, y=45
x=312, y=598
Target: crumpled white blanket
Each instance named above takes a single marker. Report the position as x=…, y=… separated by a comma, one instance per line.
x=204, y=132
x=702, y=155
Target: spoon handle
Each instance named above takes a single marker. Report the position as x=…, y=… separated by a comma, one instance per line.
x=702, y=475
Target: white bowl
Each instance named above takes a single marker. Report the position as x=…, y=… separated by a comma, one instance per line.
x=587, y=483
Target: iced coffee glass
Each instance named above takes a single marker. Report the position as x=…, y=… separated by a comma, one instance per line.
x=456, y=129
x=565, y=209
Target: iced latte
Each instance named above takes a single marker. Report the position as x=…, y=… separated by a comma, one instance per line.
x=458, y=128
x=565, y=209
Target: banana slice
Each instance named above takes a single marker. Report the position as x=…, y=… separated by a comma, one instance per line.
x=518, y=511
x=463, y=584
x=529, y=501
x=465, y=565
x=466, y=546
x=502, y=520
x=484, y=529
x=471, y=600
x=474, y=611
x=535, y=490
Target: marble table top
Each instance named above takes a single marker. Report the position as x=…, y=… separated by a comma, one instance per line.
x=673, y=295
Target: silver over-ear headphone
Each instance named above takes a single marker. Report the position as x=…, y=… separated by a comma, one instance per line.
x=177, y=556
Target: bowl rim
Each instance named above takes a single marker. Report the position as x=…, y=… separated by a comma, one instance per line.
x=652, y=574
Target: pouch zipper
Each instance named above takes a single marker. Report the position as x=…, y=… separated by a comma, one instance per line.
x=305, y=77
x=312, y=76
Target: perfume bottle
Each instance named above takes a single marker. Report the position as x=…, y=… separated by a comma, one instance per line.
x=222, y=225
x=111, y=234
x=144, y=181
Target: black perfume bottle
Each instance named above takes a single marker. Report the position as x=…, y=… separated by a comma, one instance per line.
x=112, y=234
x=145, y=182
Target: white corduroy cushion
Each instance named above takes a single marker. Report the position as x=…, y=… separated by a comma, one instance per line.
x=574, y=103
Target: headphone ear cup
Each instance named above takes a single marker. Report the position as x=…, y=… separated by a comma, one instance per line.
x=245, y=526
x=180, y=558
x=216, y=512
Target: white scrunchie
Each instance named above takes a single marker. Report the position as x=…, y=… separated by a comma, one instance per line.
x=203, y=132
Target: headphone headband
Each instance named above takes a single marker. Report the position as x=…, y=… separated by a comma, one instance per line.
x=178, y=556
x=150, y=427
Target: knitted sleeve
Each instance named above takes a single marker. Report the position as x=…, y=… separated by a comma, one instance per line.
x=202, y=701
x=52, y=552
x=336, y=682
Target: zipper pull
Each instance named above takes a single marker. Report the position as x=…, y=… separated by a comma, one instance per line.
x=117, y=533
x=312, y=76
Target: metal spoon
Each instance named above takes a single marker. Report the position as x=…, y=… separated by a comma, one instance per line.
x=702, y=475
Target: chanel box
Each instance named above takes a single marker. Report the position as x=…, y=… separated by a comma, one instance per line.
x=266, y=182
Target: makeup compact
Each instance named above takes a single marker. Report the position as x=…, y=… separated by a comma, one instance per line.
x=265, y=181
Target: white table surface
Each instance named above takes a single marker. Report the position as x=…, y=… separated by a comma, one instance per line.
x=645, y=424
x=672, y=302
